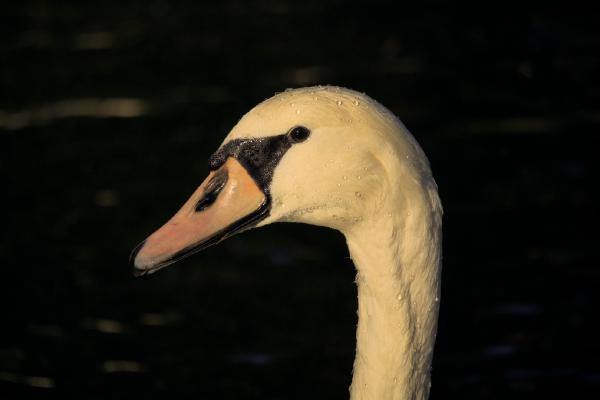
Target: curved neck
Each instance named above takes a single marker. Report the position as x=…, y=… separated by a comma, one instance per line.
x=398, y=276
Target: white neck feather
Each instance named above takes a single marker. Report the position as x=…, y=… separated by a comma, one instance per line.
x=398, y=276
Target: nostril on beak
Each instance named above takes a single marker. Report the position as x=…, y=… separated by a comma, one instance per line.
x=214, y=187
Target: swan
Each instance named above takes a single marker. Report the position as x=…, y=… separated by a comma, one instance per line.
x=332, y=157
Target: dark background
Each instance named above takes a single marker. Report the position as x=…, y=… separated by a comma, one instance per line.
x=110, y=109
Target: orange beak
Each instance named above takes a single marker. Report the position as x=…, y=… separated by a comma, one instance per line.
x=227, y=202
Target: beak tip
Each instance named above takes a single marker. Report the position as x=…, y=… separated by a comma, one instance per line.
x=137, y=271
x=135, y=252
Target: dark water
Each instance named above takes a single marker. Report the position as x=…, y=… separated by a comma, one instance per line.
x=109, y=111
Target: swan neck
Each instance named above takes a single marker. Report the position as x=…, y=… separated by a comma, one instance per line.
x=398, y=271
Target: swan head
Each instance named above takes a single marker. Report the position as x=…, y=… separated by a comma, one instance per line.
x=325, y=156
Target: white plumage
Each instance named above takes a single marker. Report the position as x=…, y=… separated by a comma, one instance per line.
x=361, y=172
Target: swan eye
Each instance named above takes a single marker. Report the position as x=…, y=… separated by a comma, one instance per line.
x=299, y=134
